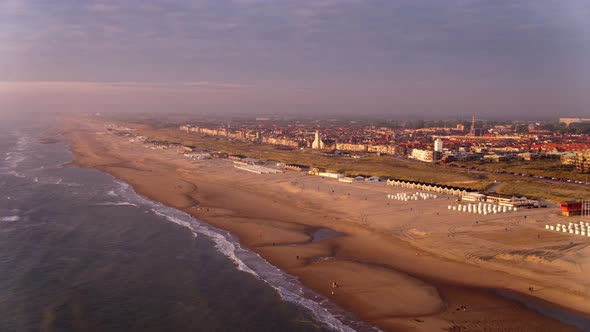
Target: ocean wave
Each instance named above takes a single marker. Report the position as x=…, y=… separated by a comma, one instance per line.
x=116, y=204
x=288, y=287
x=47, y=180
x=176, y=221
x=17, y=174
x=14, y=159
x=53, y=181
x=10, y=218
x=23, y=142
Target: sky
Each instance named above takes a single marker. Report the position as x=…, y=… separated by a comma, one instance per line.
x=393, y=58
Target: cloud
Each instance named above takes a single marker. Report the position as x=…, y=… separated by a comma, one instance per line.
x=244, y=45
x=104, y=7
x=69, y=87
x=13, y=7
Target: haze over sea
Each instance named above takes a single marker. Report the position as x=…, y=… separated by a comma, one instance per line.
x=80, y=251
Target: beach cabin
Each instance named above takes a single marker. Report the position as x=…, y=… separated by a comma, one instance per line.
x=331, y=175
x=474, y=197
x=504, y=200
x=359, y=179
x=297, y=167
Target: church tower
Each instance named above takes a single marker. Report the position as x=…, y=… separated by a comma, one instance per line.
x=317, y=142
x=472, y=131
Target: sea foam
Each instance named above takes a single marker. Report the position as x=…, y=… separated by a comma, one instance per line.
x=116, y=204
x=10, y=218
x=288, y=287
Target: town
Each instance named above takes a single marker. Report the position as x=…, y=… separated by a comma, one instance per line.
x=567, y=140
x=565, y=143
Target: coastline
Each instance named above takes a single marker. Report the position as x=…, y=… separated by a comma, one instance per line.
x=84, y=252
x=375, y=268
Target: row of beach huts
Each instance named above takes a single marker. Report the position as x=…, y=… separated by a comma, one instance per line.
x=482, y=208
x=465, y=195
x=256, y=169
x=446, y=190
x=581, y=228
x=411, y=197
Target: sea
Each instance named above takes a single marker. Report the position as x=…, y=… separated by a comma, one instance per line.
x=81, y=251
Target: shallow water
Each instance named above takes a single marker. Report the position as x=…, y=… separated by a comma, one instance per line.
x=323, y=233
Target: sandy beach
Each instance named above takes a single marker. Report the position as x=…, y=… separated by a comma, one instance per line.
x=402, y=266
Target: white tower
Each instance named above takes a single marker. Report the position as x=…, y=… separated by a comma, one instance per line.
x=438, y=145
x=317, y=143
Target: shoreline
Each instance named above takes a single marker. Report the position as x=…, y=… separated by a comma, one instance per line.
x=434, y=307
x=247, y=261
x=535, y=304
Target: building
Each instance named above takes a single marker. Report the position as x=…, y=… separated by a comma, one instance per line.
x=526, y=156
x=582, y=162
x=570, y=208
x=352, y=147
x=422, y=155
x=350, y=179
x=380, y=149
x=474, y=197
x=297, y=167
x=569, y=121
x=317, y=142
x=280, y=141
x=472, y=129
x=508, y=200
x=438, y=145
x=446, y=190
x=496, y=158
x=568, y=158
x=438, y=149
x=331, y=175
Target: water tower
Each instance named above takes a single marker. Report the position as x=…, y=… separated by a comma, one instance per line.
x=438, y=145
x=438, y=149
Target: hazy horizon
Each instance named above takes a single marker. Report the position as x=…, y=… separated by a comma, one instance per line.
x=438, y=59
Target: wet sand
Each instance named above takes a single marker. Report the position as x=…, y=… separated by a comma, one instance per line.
x=399, y=266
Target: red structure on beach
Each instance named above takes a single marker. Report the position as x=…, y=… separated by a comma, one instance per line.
x=571, y=208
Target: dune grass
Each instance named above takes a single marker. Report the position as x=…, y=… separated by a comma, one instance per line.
x=548, y=168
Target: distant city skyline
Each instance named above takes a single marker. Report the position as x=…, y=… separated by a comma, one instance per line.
x=397, y=58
